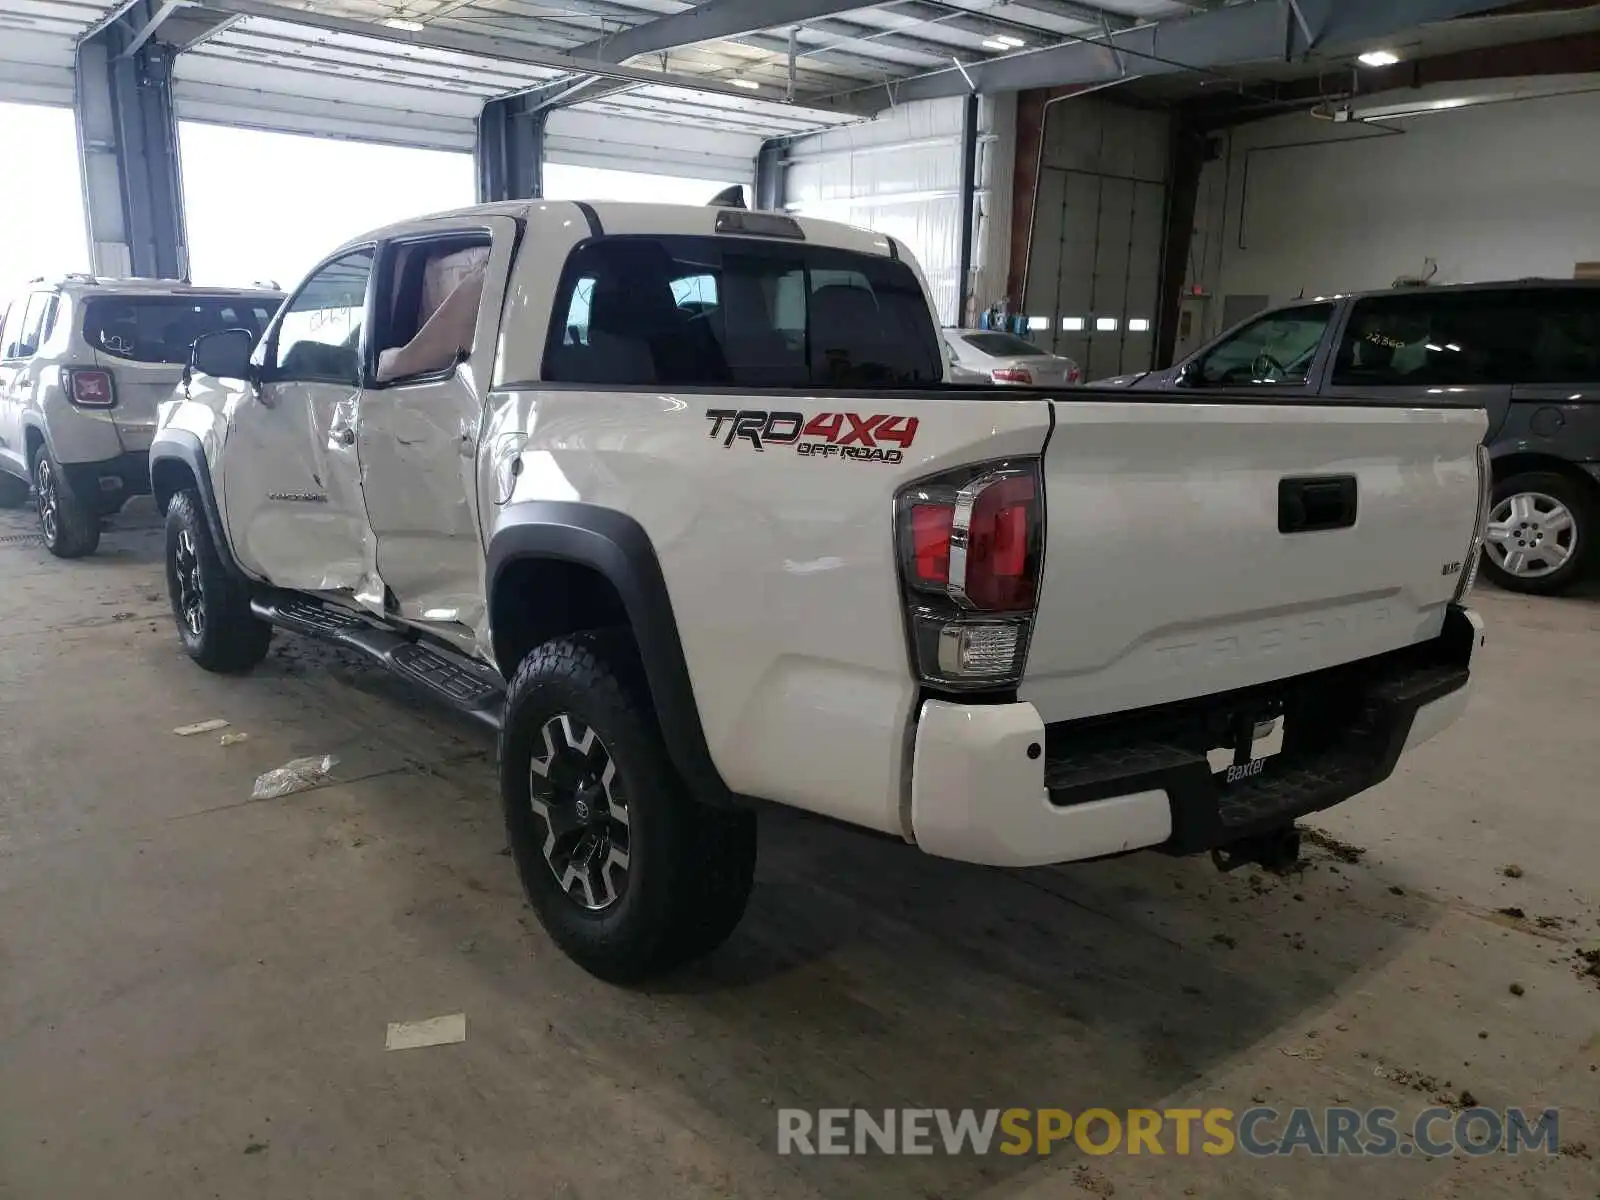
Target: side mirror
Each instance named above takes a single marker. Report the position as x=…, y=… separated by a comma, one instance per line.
x=224, y=355
x=1189, y=375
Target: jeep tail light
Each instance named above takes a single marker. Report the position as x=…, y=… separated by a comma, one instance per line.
x=1011, y=375
x=971, y=548
x=89, y=389
x=1073, y=374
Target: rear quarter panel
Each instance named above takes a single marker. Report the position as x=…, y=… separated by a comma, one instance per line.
x=780, y=565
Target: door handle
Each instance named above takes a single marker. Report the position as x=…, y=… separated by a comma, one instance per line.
x=348, y=437
x=1307, y=505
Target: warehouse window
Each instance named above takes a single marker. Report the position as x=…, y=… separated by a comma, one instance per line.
x=692, y=311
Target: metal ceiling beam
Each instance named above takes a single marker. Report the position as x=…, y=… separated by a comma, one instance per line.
x=708, y=22
x=498, y=48
x=1262, y=31
x=147, y=30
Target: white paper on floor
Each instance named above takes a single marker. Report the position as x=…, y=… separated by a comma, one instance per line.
x=202, y=727
x=296, y=775
x=435, y=1031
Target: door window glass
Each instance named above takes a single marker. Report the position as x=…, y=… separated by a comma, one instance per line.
x=1277, y=348
x=11, y=334
x=319, y=334
x=1527, y=335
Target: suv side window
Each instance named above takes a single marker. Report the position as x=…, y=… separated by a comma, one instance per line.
x=10, y=333
x=318, y=338
x=1525, y=335
x=24, y=329
x=1276, y=348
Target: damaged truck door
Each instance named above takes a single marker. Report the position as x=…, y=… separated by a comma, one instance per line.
x=293, y=488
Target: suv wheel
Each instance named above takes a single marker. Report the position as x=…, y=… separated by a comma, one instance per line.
x=211, y=607
x=1538, y=533
x=70, y=528
x=627, y=873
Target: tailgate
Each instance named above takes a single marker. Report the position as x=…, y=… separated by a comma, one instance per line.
x=1166, y=576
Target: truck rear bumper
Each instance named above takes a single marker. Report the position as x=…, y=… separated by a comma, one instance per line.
x=993, y=784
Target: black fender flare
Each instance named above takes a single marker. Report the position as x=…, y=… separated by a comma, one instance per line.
x=617, y=547
x=34, y=422
x=182, y=446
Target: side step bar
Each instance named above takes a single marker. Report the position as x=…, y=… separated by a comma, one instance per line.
x=453, y=678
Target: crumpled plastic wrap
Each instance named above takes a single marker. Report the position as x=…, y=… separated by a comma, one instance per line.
x=295, y=776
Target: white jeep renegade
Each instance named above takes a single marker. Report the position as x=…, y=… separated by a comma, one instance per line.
x=83, y=364
x=678, y=501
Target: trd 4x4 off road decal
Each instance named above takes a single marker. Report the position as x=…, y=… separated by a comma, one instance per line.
x=826, y=435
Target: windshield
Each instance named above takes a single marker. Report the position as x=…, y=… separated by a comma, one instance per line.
x=160, y=329
x=1003, y=345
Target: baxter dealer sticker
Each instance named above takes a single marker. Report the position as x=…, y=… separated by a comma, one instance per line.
x=881, y=437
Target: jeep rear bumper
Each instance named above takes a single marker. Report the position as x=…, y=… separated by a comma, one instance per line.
x=106, y=486
x=993, y=784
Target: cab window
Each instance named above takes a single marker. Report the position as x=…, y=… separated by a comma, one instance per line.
x=1278, y=348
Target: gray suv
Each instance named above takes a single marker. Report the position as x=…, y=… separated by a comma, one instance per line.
x=1528, y=351
x=84, y=363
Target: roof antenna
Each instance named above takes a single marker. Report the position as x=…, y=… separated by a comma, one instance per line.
x=729, y=197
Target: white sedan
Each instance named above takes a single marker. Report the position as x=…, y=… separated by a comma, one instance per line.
x=987, y=355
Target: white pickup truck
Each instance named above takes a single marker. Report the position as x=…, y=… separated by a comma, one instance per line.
x=679, y=502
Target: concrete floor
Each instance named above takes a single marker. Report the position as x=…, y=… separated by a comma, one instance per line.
x=194, y=987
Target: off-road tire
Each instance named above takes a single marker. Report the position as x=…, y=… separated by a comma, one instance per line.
x=690, y=867
x=1576, y=498
x=14, y=492
x=69, y=527
x=215, y=623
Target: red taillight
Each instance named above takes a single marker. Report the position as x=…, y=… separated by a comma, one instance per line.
x=930, y=542
x=1011, y=375
x=1073, y=374
x=971, y=546
x=998, y=579
x=90, y=389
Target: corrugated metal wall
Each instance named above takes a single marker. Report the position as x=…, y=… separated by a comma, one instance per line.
x=901, y=175
x=1094, y=270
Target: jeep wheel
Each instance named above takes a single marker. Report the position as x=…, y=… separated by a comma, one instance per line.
x=1538, y=533
x=627, y=873
x=69, y=527
x=13, y=491
x=211, y=607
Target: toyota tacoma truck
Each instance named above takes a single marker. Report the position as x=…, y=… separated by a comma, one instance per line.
x=679, y=501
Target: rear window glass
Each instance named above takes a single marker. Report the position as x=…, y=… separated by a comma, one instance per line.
x=1002, y=345
x=160, y=329
x=1521, y=335
x=691, y=311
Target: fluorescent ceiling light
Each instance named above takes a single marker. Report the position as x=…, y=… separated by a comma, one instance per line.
x=1006, y=39
x=402, y=23
x=1105, y=324
x=1038, y=322
x=1072, y=324
x=749, y=84
x=994, y=44
x=1139, y=325
x=1380, y=58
